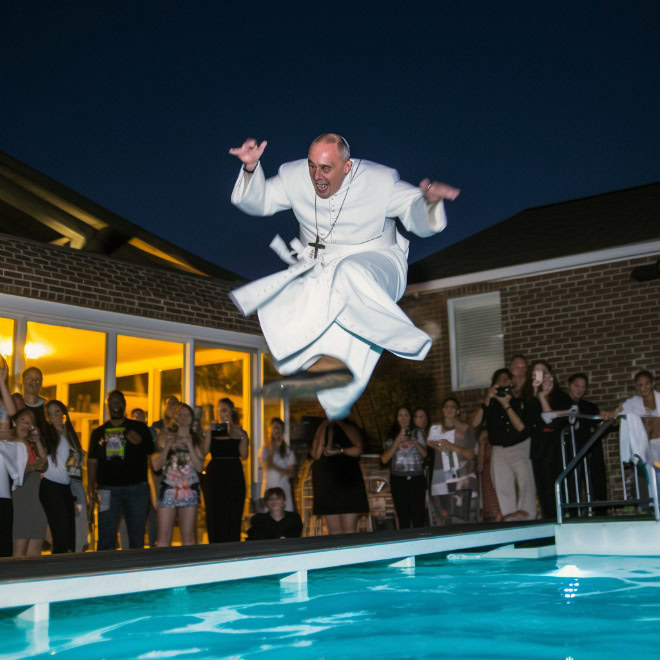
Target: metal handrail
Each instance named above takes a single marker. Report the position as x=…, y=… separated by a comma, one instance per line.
x=600, y=432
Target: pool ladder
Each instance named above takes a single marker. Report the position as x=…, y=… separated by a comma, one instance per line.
x=579, y=460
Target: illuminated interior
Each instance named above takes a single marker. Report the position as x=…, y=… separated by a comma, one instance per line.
x=72, y=362
x=148, y=372
x=220, y=373
x=7, y=345
x=270, y=407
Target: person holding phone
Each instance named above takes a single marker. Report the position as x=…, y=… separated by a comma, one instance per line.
x=511, y=469
x=29, y=528
x=541, y=394
x=406, y=450
x=224, y=482
x=56, y=493
x=180, y=461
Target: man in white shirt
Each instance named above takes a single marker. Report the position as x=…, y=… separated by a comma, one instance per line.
x=329, y=316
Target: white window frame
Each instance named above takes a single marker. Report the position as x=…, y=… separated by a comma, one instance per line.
x=492, y=296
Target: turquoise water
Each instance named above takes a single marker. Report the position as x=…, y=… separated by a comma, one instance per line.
x=573, y=607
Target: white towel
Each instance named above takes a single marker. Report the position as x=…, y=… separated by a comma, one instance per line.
x=633, y=439
x=13, y=455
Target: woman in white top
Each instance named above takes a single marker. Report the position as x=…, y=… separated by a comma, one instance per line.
x=278, y=462
x=64, y=450
x=453, y=481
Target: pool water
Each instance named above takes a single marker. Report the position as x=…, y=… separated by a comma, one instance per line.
x=571, y=607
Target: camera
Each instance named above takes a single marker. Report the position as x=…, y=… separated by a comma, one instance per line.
x=221, y=429
x=504, y=390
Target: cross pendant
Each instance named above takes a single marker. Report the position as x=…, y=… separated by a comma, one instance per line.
x=317, y=246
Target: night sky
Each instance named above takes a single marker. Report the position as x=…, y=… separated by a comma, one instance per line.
x=519, y=104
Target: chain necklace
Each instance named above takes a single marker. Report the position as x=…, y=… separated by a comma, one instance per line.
x=318, y=243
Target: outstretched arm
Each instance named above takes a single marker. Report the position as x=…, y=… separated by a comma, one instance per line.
x=421, y=209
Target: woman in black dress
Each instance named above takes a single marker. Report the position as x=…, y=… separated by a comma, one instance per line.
x=541, y=394
x=224, y=482
x=339, y=492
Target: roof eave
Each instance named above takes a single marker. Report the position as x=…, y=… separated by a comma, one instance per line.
x=571, y=262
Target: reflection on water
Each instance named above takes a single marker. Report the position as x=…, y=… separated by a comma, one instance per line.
x=603, y=606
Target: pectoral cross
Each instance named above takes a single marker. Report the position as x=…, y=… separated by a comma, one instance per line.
x=317, y=246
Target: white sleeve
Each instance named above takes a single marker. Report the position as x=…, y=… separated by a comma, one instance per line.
x=416, y=214
x=255, y=195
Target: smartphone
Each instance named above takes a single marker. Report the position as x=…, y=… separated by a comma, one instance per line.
x=221, y=429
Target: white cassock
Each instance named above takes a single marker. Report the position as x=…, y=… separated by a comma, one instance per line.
x=342, y=303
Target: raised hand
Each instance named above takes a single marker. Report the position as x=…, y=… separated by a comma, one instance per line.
x=434, y=191
x=249, y=153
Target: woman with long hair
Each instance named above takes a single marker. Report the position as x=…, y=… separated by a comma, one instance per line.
x=181, y=461
x=420, y=423
x=278, y=463
x=453, y=481
x=61, y=486
x=541, y=393
x=224, y=481
x=29, y=528
x=406, y=450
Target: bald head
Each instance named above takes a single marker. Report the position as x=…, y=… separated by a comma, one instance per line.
x=336, y=139
x=328, y=163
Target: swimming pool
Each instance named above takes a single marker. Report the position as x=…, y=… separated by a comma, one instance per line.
x=567, y=607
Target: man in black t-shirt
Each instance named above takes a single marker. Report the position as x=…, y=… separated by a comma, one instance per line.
x=117, y=474
x=510, y=466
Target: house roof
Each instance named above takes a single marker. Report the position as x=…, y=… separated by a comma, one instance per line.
x=36, y=207
x=624, y=217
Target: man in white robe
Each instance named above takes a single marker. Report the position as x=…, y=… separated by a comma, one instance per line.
x=334, y=308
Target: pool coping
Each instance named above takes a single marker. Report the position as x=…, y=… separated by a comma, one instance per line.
x=33, y=582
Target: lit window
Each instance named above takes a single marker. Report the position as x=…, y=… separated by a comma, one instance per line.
x=221, y=373
x=71, y=361
x=475, y=339
x=148, y=372
x=7, y=351
x=271, y=407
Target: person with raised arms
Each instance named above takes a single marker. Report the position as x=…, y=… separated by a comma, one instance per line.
x=330, y=315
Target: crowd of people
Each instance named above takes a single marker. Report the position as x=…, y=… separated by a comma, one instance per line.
x=500, y=464
x=511, y=445
x=134, y=473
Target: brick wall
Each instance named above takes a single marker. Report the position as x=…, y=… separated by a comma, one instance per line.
x=597, y=320
x=59, y=274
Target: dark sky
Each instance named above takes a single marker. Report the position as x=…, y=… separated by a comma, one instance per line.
x=519, y=104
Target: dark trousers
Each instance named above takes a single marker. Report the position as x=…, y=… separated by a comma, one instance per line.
x=409, y=494
x=6, y=524
x=132, y=501
x=224, y=497
x=59, y=506
x=546, y=472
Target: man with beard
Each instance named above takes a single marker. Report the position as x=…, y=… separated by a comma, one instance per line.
x=117, y=474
